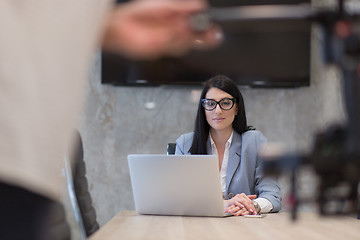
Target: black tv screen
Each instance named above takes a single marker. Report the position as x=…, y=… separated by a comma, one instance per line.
x=267, y=53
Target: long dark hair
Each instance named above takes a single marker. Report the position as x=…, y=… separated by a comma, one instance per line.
x=202, y=127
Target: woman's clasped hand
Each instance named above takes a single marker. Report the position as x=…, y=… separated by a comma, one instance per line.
x=240, y=205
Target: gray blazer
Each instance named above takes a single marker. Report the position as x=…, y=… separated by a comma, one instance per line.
x=244, y=173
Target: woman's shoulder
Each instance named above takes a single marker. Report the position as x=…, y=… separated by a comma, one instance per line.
x=254, y=135
x=183, y=143
x=253, y=132
x=185, y=137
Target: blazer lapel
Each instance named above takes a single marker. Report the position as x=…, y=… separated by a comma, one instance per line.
x=234, y=158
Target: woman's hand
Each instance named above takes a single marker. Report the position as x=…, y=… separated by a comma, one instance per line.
x=240, y=205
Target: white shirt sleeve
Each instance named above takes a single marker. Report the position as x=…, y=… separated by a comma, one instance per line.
x=265, y=205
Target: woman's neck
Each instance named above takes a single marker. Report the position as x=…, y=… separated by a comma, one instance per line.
x=220, y=136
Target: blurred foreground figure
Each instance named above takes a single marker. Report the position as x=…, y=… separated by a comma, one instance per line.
x=46, y=48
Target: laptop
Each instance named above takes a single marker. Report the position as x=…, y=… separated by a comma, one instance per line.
x=184, y=185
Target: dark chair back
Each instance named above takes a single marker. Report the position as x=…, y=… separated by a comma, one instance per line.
x=171, y=147
x=82, y=193
x=59, y=227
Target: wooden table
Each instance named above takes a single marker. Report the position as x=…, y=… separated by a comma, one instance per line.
x=128, y=225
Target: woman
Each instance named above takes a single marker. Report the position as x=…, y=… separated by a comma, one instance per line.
x=221, y=129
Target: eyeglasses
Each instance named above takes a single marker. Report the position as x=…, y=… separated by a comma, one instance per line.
x=211, y=104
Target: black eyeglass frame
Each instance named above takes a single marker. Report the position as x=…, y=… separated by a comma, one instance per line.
x=233, y=100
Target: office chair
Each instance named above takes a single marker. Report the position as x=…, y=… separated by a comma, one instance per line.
x=80, y=199
x=171, y=147
x=83, y=197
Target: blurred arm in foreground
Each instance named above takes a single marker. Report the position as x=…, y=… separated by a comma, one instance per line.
x=150, y=29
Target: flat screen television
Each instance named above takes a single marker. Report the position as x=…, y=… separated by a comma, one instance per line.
x=260, y=53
